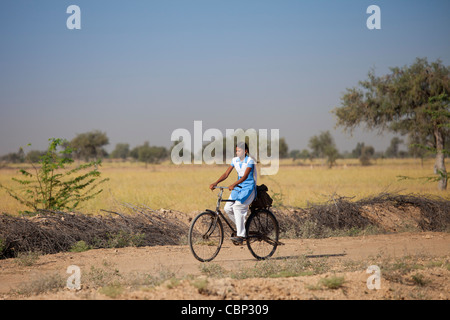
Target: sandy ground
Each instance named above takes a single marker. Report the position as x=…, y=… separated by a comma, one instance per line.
x=345, y=257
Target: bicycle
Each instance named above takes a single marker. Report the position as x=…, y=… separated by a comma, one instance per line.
x=206, y=232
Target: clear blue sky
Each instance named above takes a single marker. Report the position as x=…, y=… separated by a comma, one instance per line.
x=138, y=70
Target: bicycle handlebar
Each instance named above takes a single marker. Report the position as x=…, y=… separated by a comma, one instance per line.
x=220, y=187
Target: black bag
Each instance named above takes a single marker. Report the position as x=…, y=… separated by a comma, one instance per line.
x=262, y=200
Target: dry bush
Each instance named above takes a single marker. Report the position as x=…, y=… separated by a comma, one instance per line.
x=340, y=213
x=52, y=232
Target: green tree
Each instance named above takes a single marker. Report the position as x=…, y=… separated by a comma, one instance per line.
x=364, y=153
x=89, y=145
x=122, y=151
x=323, y=146
x=410, y=100
x=149, y=154
x=304, y=154
x=393, y=150
x=34, y=156
x=15, y=157
x=356, y=153
x=283, y=148
x=294, y=154
x=53, y=186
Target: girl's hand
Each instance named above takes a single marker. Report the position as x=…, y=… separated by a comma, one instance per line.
x=212, y=186
x=231, y=187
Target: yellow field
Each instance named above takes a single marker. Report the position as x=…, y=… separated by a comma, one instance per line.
x=185, y=188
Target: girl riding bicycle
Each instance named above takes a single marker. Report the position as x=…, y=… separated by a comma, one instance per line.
x=246, y=191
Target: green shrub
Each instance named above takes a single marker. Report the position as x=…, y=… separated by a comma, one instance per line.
x=80, y=246
x=53, y=186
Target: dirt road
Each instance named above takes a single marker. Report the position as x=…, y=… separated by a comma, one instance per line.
x=338, y=253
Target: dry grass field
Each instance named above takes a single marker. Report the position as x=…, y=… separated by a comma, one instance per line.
x=414, y=263
x=297, y=183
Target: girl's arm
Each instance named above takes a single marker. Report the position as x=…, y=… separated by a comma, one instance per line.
x=222, y=177
x=244, y=177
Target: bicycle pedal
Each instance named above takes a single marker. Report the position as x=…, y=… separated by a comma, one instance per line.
x=237, y=242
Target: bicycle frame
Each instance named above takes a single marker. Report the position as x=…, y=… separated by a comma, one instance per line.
x=219, y=213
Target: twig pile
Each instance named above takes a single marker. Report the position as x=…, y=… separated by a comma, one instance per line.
x=340, y=213
x=52, y=232
x=434, y=211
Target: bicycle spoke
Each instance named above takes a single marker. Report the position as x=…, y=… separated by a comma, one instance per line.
x=262, y=234
x=205, y=236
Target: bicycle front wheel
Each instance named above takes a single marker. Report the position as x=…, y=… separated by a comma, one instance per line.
x=262, y=234
x=205, y=236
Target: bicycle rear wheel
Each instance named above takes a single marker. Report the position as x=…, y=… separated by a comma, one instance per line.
x=205, y=236
x=262, y=234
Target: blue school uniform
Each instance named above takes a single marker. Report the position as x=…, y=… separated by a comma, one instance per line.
x=249, y=185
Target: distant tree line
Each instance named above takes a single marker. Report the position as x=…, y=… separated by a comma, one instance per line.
x=322, y=146
x=91, y=146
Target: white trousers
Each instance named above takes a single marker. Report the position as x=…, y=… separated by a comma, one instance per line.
x=237, y=212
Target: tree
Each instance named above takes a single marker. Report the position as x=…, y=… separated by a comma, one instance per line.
x=294, y=154
x=393, y=150
x=411, y=100
x=149, y=154
x=283, y=148
x=363, y=153
x=89, y=145
x=34, y=156
x=52, y=186
x=14, y=157
x=297, y=154
x=304, y=154
x=122, y=151
x=323, y=145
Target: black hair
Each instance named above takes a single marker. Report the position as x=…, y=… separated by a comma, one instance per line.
x=243, y=145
